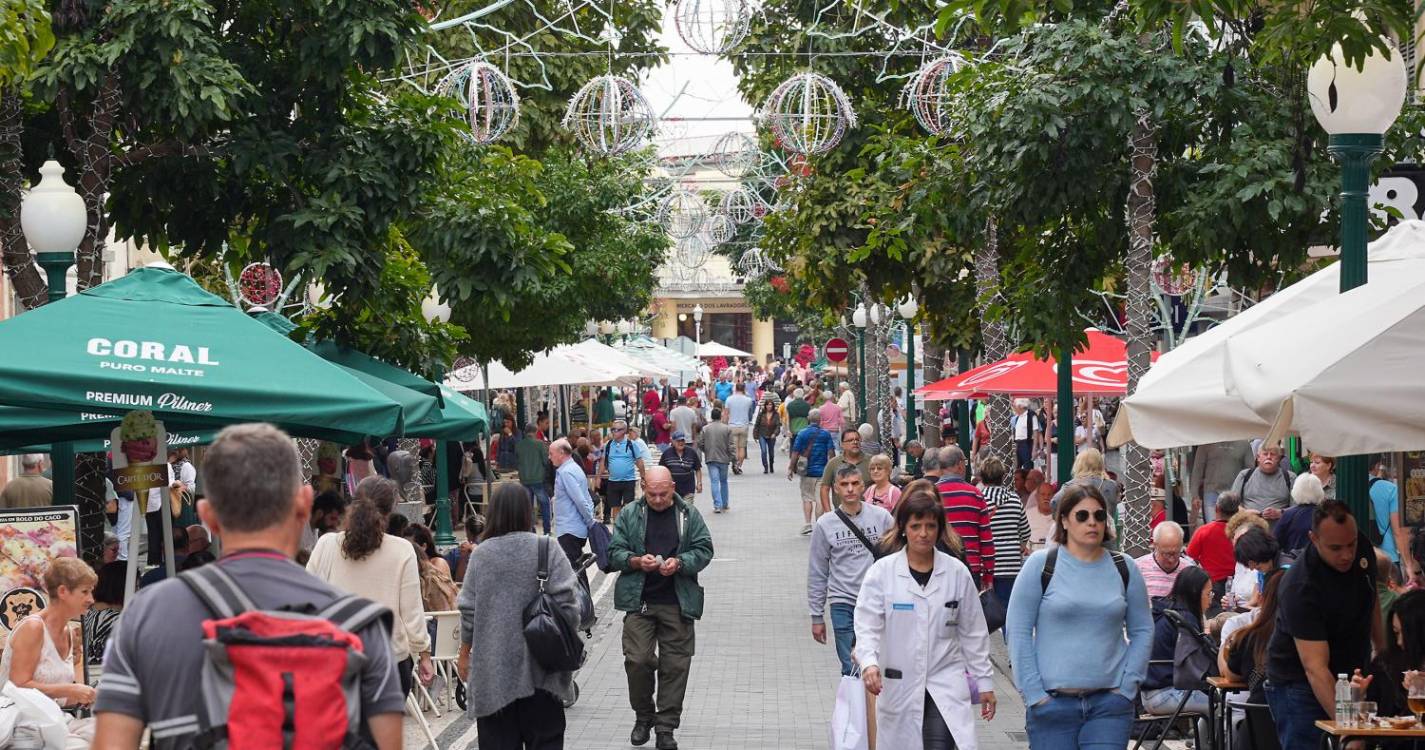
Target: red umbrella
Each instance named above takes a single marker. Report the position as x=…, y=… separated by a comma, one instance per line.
x=1099, y=370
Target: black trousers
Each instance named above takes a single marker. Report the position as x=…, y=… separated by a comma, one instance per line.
x=532, y=723
x=154, y=521
x=405, y=671
x=573, y=547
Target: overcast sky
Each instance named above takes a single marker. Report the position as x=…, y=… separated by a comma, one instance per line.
x=711, y=91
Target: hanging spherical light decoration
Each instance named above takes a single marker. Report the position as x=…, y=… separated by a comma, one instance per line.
x=718, y=229
x=260, y=284
x=1174, y=279
x=488, y=96
x=927, y=95
x=692, y=252
x=682, y=214
x=712, y=26
x=737, y=155
x=808, y=114
x=609, y=116
x=738, y=205
x=752, y=263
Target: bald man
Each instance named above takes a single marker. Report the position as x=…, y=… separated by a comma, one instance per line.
x=659, y=544
x=1161, y=566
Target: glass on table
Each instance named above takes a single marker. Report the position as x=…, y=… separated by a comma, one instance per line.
x=1415, y=687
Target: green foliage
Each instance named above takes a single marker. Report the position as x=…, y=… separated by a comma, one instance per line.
x=25, y=38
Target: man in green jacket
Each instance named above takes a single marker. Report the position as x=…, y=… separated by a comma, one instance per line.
x=659, y=544
x=533, y=453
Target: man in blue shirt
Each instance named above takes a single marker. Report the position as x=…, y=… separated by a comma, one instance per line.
x=817, y=446
x=723, y=388
x=739, y=418
x=1385, y=501
x=622, y=466
x=573, y=506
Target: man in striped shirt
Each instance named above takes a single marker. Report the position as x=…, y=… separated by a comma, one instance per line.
x=1161, y=566
x=968, y=515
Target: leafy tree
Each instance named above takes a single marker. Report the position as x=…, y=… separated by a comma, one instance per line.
x=25, y=38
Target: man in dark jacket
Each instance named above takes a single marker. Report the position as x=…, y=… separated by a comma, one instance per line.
x=660, y=543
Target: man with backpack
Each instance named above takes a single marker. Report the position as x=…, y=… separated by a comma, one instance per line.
x=624, y=458
x=843, y=546
x=239, y=610
x=1266, y=487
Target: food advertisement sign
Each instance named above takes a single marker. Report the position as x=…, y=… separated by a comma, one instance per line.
x=29, y=539
x=140, y=458
x=1412, y=486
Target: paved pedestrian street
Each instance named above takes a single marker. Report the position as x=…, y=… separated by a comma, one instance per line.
x=758, y=679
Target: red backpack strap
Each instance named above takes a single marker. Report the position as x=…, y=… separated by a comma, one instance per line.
x=218, y=591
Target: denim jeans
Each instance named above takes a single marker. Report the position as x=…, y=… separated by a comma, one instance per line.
x=1098, y=721
x=769, y=452
x=1209, y=507
x=717, y=477
x=1164, y=701
x=541, y=496
x=1295, y=711
x=843, y=629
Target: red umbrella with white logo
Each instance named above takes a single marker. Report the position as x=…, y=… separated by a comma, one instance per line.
x=1099, y=370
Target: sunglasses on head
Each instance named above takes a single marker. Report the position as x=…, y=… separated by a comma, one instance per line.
x=1082, y=516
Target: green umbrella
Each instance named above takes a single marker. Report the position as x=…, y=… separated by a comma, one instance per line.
x=156, y=340
x=463, y=418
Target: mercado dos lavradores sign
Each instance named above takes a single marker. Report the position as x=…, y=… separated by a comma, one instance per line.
x=177, y=361
x=139, y=453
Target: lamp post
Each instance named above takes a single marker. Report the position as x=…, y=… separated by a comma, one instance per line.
x=1064, y=414
x=697, y=326
x=1355, y=106
x=908, y=308
x=54, y=219
x=436, y=310
x=858, y=319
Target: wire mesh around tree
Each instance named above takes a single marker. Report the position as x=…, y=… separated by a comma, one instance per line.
x=488, y=96
x=609, y=116
x=808, y=114
x=927, y=95
x=712, y=26
x=682, y=214
x=737, y=155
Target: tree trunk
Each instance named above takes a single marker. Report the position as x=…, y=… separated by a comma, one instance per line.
x=881, y=414
x=933, y=356
x=14, y=251
x=95, y=153
x=996, y=341
x=1141, y=209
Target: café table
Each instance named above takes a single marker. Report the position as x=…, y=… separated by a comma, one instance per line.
x=1221, y=712
x=1335, y=737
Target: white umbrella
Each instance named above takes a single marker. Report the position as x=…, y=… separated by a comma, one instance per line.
x=609, y=358
x=1345, y=375
x=1183, y=400
x=547, y=369
x=714, y=349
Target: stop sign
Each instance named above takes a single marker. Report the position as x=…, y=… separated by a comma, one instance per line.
x=837, y=350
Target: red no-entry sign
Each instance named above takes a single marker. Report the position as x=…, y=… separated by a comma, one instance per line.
x=837, y=350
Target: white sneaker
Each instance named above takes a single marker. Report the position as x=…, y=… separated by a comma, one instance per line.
x=806, y=530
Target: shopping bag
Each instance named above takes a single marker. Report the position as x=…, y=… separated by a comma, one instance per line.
x=848, y=718
x=599, y=538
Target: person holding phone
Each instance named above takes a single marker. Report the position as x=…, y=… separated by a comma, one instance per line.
x=921, y=638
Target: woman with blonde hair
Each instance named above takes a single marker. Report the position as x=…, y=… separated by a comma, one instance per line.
x=882, y=493
x=1324, y=469
x=1089, y=470
x=44, y=650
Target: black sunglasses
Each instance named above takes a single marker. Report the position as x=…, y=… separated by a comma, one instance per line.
x=1082, y=516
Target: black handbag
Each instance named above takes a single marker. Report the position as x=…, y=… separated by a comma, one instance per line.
x=552, y=639
x=994, y=609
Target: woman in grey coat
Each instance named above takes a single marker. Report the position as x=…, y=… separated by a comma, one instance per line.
x=516, y=704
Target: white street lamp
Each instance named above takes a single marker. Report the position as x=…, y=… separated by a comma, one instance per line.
x=875, y=312
x=908, y=307
x=606, y=328
x=1356, y=105
x=858, y=318
x=54, y=219
x=698, y=324
x=434, y=308
x=625, y=327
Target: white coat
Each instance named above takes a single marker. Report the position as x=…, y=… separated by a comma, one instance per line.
x=901, y=626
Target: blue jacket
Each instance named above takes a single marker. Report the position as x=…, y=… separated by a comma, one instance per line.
x=817, y=446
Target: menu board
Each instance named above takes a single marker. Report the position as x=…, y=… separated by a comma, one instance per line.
x=29, y=539
x=1412, y=487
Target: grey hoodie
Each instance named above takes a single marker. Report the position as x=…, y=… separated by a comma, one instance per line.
x=839, y=560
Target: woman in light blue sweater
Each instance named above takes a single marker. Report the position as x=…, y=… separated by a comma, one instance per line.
x=1079, y=644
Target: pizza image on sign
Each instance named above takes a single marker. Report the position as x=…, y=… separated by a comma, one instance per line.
x=139, y=453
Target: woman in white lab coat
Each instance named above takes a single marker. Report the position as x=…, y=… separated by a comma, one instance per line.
x=919, y=631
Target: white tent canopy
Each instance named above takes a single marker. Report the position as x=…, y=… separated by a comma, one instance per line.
x=607, y=357
x=1345, y=375
x=650, y=351
x=548, y=368
x=714, y=349
x=1183, y=399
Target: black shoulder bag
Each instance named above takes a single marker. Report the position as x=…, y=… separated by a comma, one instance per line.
x=552, y=640
x=873, y=549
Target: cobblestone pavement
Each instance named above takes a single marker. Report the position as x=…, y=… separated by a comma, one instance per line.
x=758, y=681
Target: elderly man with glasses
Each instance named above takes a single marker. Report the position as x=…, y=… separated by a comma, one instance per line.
x=1161, y=566
x=851, y=455
x=623, y=461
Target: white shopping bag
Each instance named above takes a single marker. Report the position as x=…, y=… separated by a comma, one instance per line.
x=848, y=717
